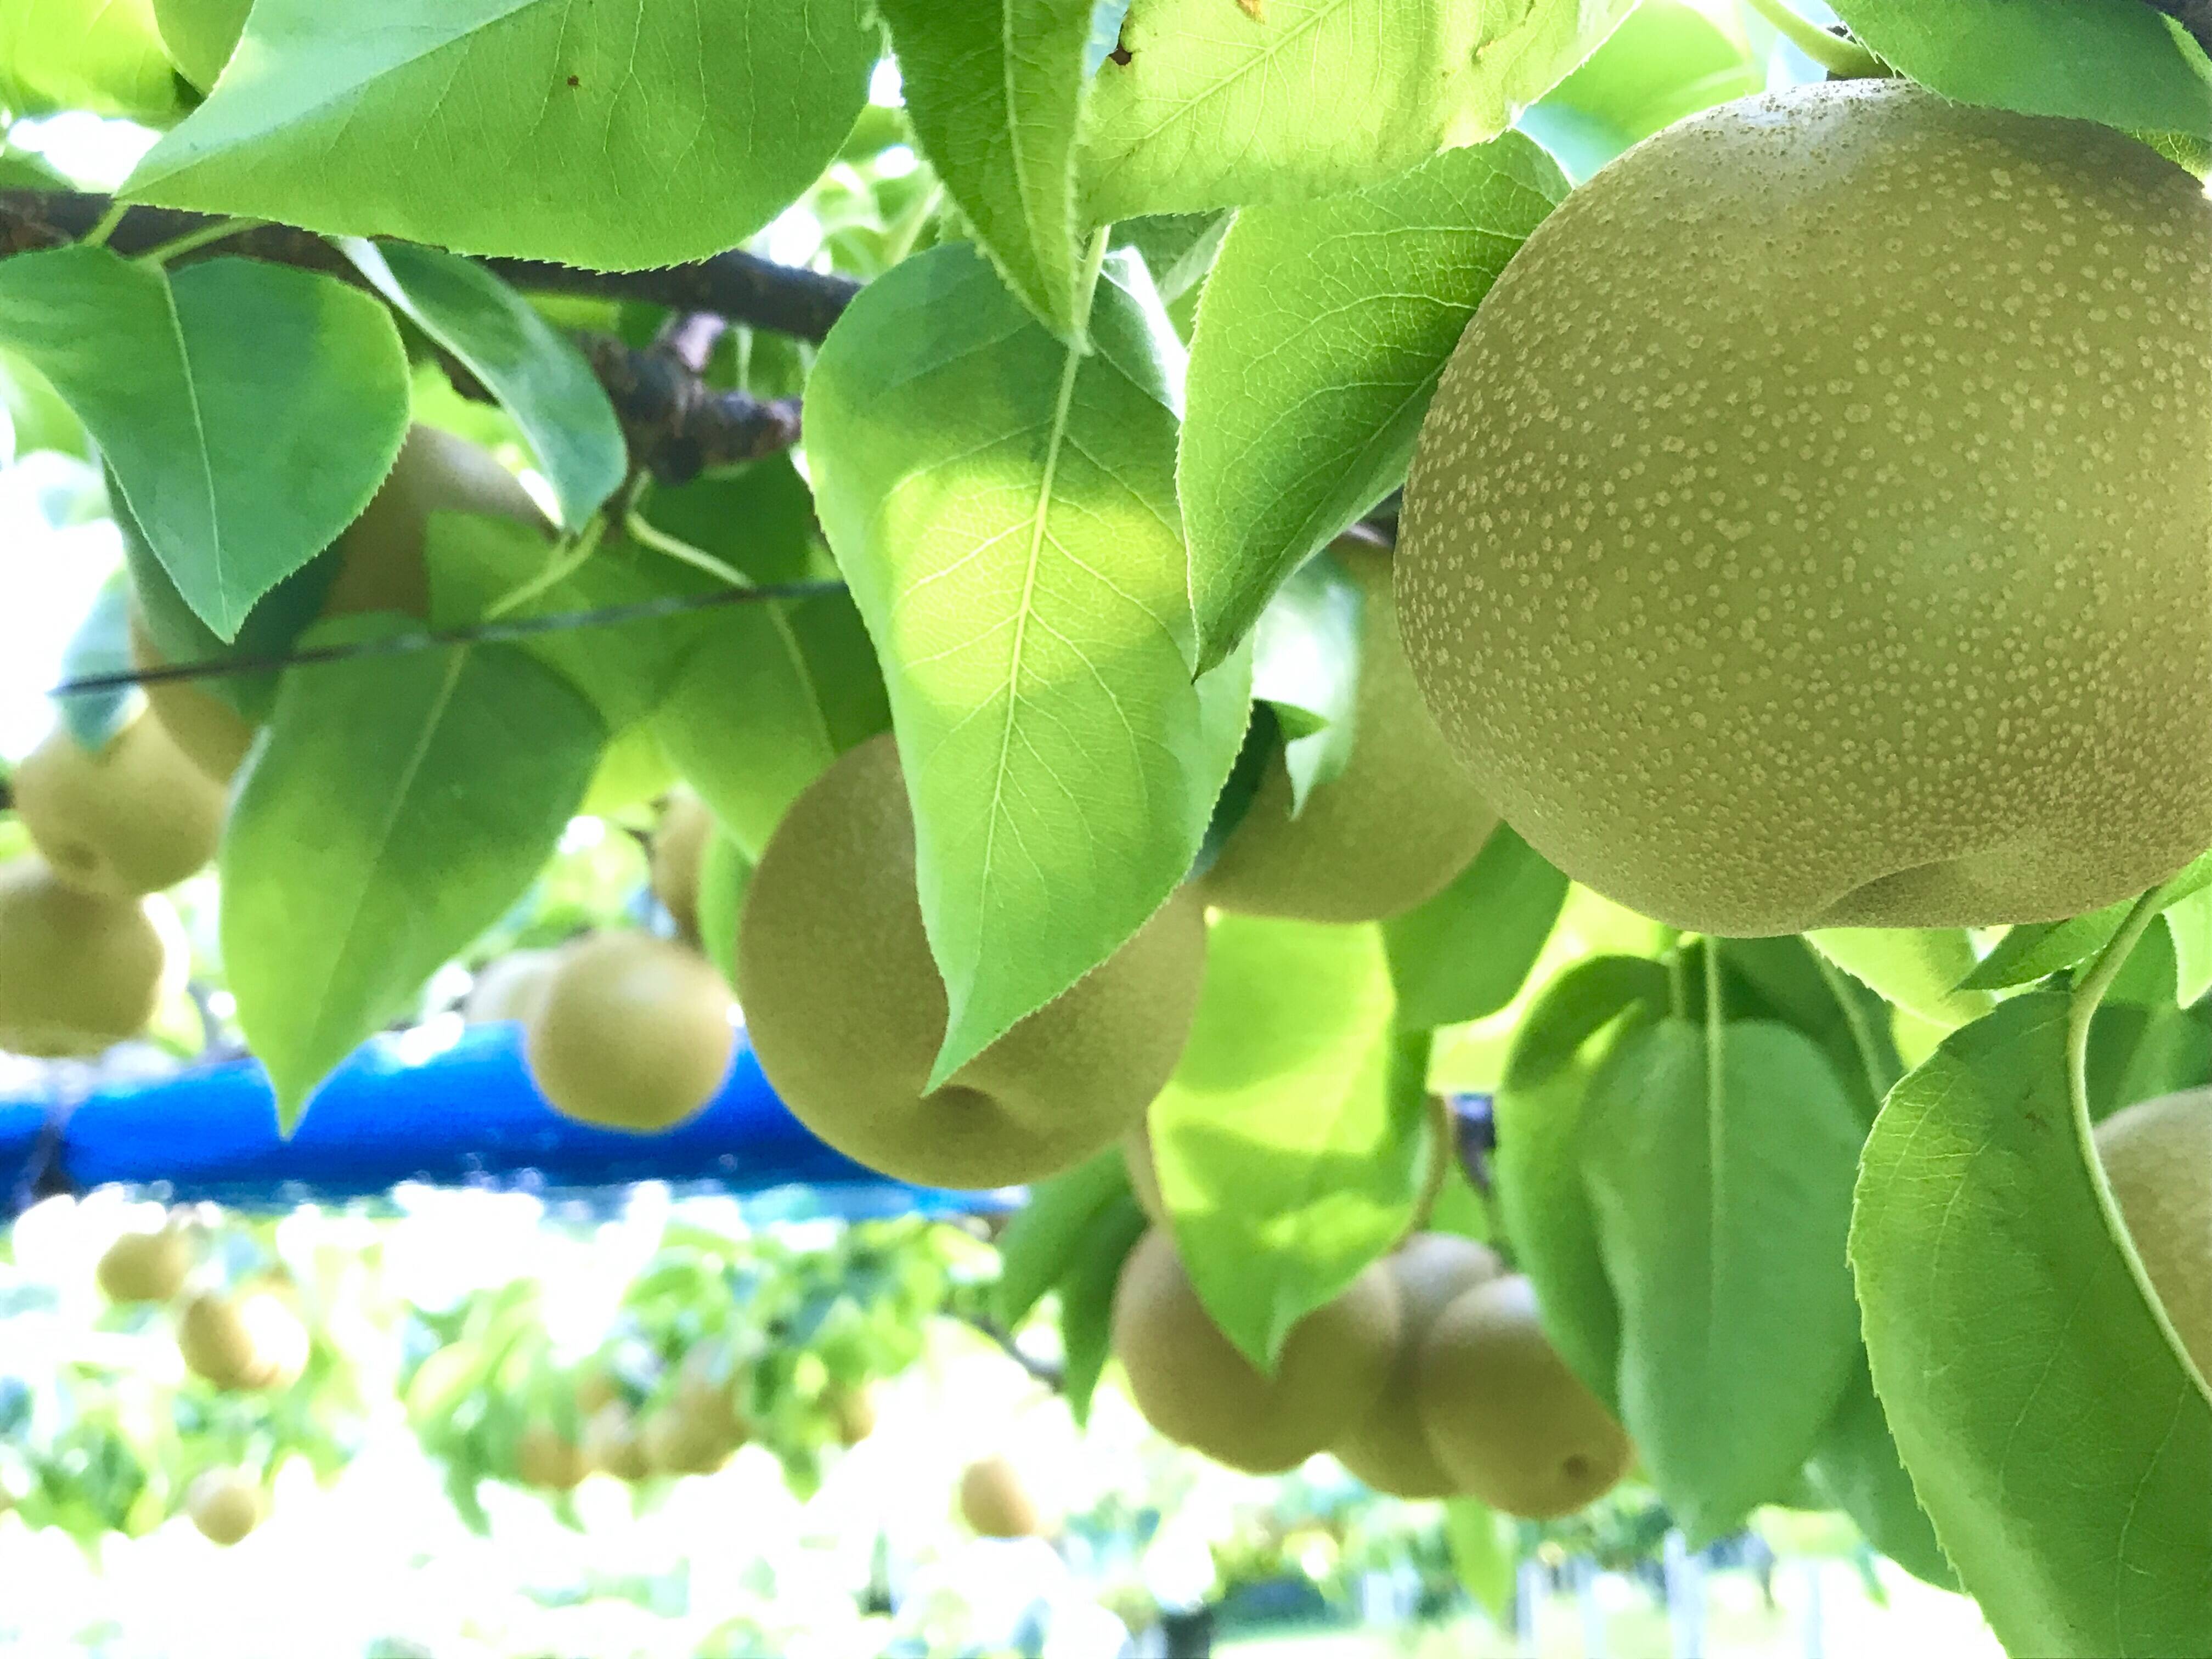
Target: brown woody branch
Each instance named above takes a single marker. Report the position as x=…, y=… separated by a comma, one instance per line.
x=676, y=424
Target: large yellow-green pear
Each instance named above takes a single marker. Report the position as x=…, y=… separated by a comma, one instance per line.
x=2157, y=1156
x=136, y=816
x=1508, y=1421
x=79, y=971
x=1391, y=829
x=846, y=1011
x=1389, y=1447
x=1813, y=527
x=1195, y=1387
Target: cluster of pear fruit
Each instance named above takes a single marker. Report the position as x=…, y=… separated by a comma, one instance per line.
x=692, y=1427
x=1429, y=1376
x=253, y=1342
x=86, y=952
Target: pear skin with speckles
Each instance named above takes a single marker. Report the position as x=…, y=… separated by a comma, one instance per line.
x=1813, y=526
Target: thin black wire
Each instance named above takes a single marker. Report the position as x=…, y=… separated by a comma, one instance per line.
x=491, y=632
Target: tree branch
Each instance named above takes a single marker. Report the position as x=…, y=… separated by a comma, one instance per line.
x=676, y=424
x=738, y=286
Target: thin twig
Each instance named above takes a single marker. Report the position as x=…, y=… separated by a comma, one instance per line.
x=1043, y=1372
x=491, y=632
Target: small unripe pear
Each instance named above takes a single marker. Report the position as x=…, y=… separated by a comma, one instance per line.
x=853, y=1411
x=510, y=987
x=225, y=1505
x=631, y=1032
x=995, y=1502
x=1389, y=1447
x=1509, y=1423
x=137, y=816
x=546, y=1459
x=612, y=1443
x=251, y=1342
x=145, y=1266
x=79, y=972
x=1195, y=1387
x=1391, y=830
x=2157, y=1156
x=679, y=846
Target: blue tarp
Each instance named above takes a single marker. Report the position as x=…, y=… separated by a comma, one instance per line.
x=465, y=1115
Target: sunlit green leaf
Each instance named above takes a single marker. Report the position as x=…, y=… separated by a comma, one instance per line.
x=1918, y=968
x=104, y=56
x=1483, y=1553
x=1323, y=328
x=2056, y=1436
x=1305, y=662
x=1004, y=507
x=1669, y=59
x=617, y=136
x=1290, y=1141
x=995, y=89
x=1217, y=107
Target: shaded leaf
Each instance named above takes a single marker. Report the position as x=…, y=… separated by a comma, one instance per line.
x=2037, y=950
x=617, y=136
x=2057, y=1438
x=1305, y=662
x=1856, y=1468
x=1669, y=59
x=1722, y=1184
x=1004, y=507
x=1322, y=333
x=1086, y=1301
x=538, y=375
x=399, y=806
x=247, y=412
x=1466, y=953
x=100, y=645
x=1050, y=1233
x=1289, y=1143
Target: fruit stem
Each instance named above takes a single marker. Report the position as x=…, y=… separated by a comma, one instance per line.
x=2089, y=994
x=1846, y=60
x=98, y=235
x=649, y=535
x=566, y=560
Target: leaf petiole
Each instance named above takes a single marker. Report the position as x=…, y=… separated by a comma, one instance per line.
x=1845, y=59
x=191, y=241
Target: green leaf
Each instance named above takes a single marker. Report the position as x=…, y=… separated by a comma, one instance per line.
x=626, y=671
x=615, y=136
x=994, y=89
x=1575, y=1007
x=1050, y=1233
x=767, y=697
x=1290, y=1142
x=102, y=645
x=2189, y=924
x=1918, y=968
x=104, y=56
x=1483, y=1556
x=1086, y=1301
x=1466, y=953
x=1856, y=1468
x=2115, y=61
x=1667, y=60
x=396, y=809
x=1179, y=249
x=1004, y=507
x=2037, y=950
x=536, y=374
x=201, y=35
x=2056, y=1436
x=1322, y=333
x=247, y=411
x=1722, y=1207
x=1305, y=662
x=1216, y=108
